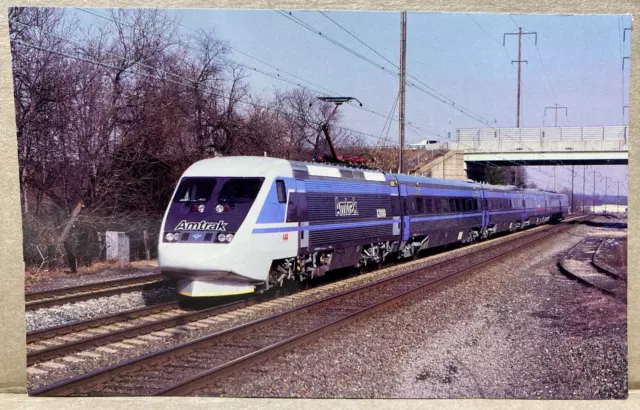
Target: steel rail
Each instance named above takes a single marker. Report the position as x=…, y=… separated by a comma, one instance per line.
x=186, y=384
x=131, y=331
x=38, y=300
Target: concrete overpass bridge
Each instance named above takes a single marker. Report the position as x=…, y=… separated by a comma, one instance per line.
x=544, y=146
x=475, y=148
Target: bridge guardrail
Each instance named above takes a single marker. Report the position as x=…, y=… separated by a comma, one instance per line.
x=605, y=133
x=543, y=146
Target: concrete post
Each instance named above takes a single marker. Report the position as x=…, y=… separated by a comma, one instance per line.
x=117, y=247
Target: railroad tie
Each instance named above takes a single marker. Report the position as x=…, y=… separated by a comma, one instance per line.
x=106, y=350
x=33, y=371
x=162, y=333
x=135, y=342
x=121, y=345
x=187, y=328
x=175, y=330
x=72, y=359
x=53, y=365
x=151, y=338
x=212, y=320
x=88, y=354
x=200, y=324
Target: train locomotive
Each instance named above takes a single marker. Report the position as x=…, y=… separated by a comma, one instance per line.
x=245, y=224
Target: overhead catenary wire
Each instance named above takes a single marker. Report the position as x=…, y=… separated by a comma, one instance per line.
x=164, y=78
x=429, y=90
x=238, y=100
x=274, y=76
x=301, y=22
x=309, y=27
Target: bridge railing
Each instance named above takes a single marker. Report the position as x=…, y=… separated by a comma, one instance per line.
x=542, y=146
x=476, y=136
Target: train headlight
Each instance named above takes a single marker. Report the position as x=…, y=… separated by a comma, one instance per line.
x=221, y=237
x=229, y=237
x=219, y=208
x=170, y=237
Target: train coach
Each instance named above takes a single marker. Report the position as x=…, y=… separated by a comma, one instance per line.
x=243, y=224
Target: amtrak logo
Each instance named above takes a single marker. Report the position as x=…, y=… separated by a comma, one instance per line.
x=201, y=226
x=196, y=236
x=346, y=207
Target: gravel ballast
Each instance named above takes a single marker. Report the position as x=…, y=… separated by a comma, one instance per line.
x=60, y=369
x=92, y=308
x=517, y=329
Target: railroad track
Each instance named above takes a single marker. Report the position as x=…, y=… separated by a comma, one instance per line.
x=195, y=366
x=604, y=267
x=37, y=300
x=580, y=264
x=59, y=341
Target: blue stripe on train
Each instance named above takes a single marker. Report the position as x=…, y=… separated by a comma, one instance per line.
x=436, y=218
x=504, y=212
x=360, y=224
x=322, y=227
x=465, y=193
x=334, y=187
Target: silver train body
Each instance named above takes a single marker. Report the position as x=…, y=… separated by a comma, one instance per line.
x=240, y=224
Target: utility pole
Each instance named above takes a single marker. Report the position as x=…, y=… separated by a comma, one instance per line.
x=403, y=69
x=556, y=108
x=572, y=203
x=519, y=61
x=618, y=199
x=606, y=182
x=584, y=181
x=593, y=200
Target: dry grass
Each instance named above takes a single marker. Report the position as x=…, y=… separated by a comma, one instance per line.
x=34, y=275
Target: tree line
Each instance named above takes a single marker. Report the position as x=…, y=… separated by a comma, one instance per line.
x=109, y=115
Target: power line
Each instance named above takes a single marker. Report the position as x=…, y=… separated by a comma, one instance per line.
x=358, y=39
x=391, y=113
x=274, y=76
x=239, y=100
x=544, y=70
x=431, y=93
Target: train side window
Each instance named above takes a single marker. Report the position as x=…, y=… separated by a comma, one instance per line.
x=419, y=205
x=460, y=205
x=282, y=193
x=452, y=205
x=428, y=205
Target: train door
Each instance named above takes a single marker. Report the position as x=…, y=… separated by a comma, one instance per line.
x=303, y=218
x=403, y=211
x=396, y=208
x=484, y=208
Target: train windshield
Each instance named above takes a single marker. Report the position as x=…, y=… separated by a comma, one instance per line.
x=240, y=190
x=195, y=189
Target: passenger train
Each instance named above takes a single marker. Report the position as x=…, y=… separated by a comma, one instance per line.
x=244, y=224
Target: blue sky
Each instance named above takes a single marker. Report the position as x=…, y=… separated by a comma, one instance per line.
x=577, y=63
